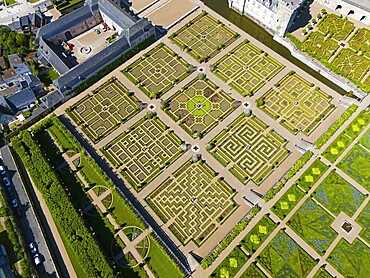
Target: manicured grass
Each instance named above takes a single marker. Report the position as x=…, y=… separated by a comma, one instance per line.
x=312, y=224
x=160, y=263
x=322, y=273
x=283, y=257
x=351, y=260
x=365, y=140
x=357, y=165
x=253, y=272
x=258, y=234
x=287, y=202
x=231, y=264
x=364, y=221
x=337, y=195
x=312, y=175
x=90, y=174
x=48, y=77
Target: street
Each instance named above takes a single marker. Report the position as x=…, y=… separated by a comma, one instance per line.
x=29, y=224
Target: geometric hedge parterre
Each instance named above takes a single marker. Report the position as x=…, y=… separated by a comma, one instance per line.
x=194, y=200
x=246, y=68
x=248, y=149
x=158, y=71
x=200, y=106
x=143, y=151
x=100, y=112
x=204, y=37
x=299, y=105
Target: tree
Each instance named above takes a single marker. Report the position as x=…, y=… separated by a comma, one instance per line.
x=12, y=42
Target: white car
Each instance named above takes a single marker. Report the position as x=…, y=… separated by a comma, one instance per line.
x=33, y=247
x=6, y=181
x=2, y=170
x=37, y=259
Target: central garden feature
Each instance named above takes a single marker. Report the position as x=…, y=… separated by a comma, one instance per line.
x=250, y=148
x=100, y=112
x=296, y=104
x=125, y=152
x=158, y=71
x=199, y=106
x=194, y=200
x=246, y=68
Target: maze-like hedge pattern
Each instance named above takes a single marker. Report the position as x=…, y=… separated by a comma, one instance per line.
x=158, y=71
x=143, y=151
x=246, y=68
x=101, y=111
x=194, y=200
x=320, y=47
x=339, y=27
x=204, y=37
x=297, y=103
x=200, y=106
x=249, y=149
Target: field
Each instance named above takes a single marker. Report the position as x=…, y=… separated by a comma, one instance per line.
x=312, y=175
x=204, y=37
x=296, y=104
x=193, y=202
x=102, y=111
x=258, y=234
x=364, y=221
x=231, y=264
x=283, y=257
x=357, y=165
x=351, y=260
x=287, y=202
x=199, y=107
x=312, y=224
x=144, y=150
x=246, y=68
x=158, y=71
x=337, y=195
x=252, y=150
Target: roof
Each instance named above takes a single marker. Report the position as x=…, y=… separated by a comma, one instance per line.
x=362, y=4
x=3, y=62
x=21, y=99
x=4, y=109
x=14, y=60
x=52, y=98
x=22, y=69
x=7, y=74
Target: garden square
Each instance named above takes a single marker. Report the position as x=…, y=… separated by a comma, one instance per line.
x=251, y=150
x=158, y=71
x=204, y=37
x=143, y=151
x=296, y=103
x=100, y=112
x=195, y=201
x=199, y=106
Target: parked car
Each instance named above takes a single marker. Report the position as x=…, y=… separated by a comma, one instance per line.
x=37, y=259
x=11, y=191
x=6, y=181
x=15, y=203
x=2, y=170
x=97, y=31
x=33, y=247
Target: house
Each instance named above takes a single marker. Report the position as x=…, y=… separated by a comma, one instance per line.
x=29, y=23
x=5, y=269
x=3, y=64
x=15, y=60
x=22, y=100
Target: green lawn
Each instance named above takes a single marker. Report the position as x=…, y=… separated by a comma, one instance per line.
x=160, y=263
x=287, y=202
x=364, y=221
x=351, y=260
x=253, y=272
x=312, y=223
x=48, y=77
x=312, y=174
x=337, y=195
x=258, y=234
x=322, y=273
x=231, y=264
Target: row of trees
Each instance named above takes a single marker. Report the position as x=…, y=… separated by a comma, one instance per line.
x=71, y=225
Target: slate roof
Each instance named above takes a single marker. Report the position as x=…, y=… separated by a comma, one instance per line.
x=14, y=60
x=21, y=99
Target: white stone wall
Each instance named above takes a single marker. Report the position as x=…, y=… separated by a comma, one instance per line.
x=358, y=15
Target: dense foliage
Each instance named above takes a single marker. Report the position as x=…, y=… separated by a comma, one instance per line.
x=69, y=223
x=13, y=42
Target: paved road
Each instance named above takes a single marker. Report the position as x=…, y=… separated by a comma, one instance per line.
x=29, y=223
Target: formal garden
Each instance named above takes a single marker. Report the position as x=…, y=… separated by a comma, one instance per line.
x=338, y=195
x=309, y=178
x=297, y=104
x=158, y=71
x=312, y=223
x=193, y=201
x=283, y=257
x=230, y=266
x=347, y=136
x=104, y=109
x=363, y=220
x=246, y=68
x=340, y=46
x=251, y=148
x=253, y=272
x=143, y=151
x=199, y=106
x=204, y=37
x=287, y=202
x=351, y=260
